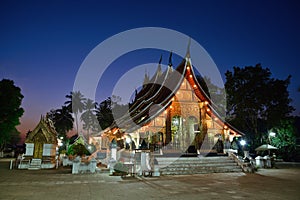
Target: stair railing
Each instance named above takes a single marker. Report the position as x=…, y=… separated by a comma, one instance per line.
x=246, y=166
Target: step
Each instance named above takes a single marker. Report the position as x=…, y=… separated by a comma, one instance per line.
x=35, y=164
x=196, y=165
x=198, y=168
x=34, y=167
x=193, y=160
x=187, y=165
x=186, y=172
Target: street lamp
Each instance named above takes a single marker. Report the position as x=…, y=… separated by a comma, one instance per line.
x=243, y=142
x=128, y=140
x=271, y=134
x=246, y=153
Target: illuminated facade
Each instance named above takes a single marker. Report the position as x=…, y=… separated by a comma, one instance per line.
x=172, y=110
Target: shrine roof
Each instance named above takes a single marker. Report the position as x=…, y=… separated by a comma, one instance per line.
x=157, y=93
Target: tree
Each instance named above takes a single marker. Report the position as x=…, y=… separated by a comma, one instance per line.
x=109, y=110
x=104, y=113
x=10, y=110
x=75, y=104
x=255, y=101
x=62, y=120
x=118, y=109
x=89, y=117
x=285, y=139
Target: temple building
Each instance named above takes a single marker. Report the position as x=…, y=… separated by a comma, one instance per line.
x=41, y=146
x=172, y=111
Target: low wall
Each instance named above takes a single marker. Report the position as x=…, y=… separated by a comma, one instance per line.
x=84, y=167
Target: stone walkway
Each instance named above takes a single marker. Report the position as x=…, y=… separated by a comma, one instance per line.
x=280, y=183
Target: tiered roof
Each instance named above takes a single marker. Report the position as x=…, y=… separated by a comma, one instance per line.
x=44, y=131
x=160, y=90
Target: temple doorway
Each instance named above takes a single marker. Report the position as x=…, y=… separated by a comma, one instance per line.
x=177, y=129
x=39, y=141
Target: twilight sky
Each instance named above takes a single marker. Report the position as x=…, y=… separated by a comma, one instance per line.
x=43, y=43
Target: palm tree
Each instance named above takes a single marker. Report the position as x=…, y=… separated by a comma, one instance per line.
x=63, y=121
x=75, y=104
x=104, y=113
x=89, y=116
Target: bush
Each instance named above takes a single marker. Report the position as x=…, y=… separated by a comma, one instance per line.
x=78, y=149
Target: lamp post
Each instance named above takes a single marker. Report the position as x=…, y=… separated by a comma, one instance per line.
x=271, y=134
x=243, y=143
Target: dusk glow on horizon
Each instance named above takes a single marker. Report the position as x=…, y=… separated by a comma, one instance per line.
x=44, y=43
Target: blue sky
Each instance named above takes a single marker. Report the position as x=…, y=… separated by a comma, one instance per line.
x=43, y=43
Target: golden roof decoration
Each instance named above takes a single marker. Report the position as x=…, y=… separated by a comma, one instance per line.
x=44, y=132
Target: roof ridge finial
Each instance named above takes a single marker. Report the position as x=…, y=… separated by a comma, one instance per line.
x=188, y=55
x=170, y=59
x=146, y=78
x=159, y=62
x=159, y=70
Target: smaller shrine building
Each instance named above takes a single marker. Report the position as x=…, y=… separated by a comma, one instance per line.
x=41, y=146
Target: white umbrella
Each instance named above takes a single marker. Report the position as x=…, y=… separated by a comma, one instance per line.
x=265, y=147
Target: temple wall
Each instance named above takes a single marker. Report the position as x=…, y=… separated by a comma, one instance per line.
x=49, y=150
x=29, y=149
x=181, y=121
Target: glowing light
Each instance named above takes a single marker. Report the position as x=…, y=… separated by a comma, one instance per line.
x=191, y=76
x=272, y=134
x=225, y=127
x=188, y=67
x=59, y=142
x=128, y=140
x=207, y=109
x=242, y=142
x=195, y=85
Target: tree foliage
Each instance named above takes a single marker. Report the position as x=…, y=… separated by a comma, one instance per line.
x=75, y=105
x=255, y=101
x=10, y=110
x=285, y=139
x=89, y=116
x=78, y=149
x=62, y=120
x=109, y=110
x=104, y=113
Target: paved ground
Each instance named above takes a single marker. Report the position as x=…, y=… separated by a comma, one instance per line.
x=281, y=183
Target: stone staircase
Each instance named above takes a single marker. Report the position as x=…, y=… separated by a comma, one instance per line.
x=35, y=164
x=197, y=165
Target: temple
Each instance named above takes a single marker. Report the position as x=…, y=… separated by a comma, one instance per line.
x=41, y=146
x=172, y=112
